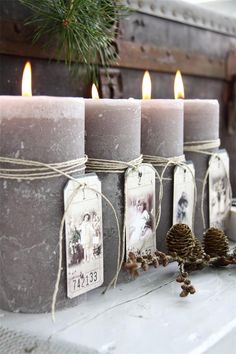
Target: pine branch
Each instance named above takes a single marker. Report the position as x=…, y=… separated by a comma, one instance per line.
x=82, y=31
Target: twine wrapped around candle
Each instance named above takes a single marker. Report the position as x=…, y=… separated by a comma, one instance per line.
x=40, y=170
x=203, y=147
x=159, y=161
x=112, y=166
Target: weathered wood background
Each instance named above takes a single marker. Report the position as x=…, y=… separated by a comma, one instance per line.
x=152, y=40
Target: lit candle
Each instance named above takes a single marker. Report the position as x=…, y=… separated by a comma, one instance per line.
x=201, y=124
x=49, y=130
x=162, y=135
x=112, y=133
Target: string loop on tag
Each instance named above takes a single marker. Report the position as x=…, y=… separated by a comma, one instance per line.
x=160, y=161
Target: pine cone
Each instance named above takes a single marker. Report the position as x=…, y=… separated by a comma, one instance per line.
x=215, y=242
x=180, y=239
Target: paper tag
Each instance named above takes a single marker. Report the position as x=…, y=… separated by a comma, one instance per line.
x=183, y=199
x=219, y=190
x=140, y=210
x=83, y=234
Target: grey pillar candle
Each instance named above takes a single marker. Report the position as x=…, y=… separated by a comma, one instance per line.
x=45, y=129
x=201, y=122
x=112, y=133
x=162, y=135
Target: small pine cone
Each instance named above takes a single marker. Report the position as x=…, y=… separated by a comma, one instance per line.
x=185, y=274
x=216, y=242
x=187, y=281
x=180, y=240
x=183, y=293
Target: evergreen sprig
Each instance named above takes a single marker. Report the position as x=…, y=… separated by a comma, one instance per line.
x=80, y=30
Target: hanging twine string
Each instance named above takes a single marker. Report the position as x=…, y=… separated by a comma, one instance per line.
x=202, y=147
x=158, y=161
x=42, y=172
x=115, y=166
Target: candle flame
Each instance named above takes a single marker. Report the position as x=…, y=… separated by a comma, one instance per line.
x=147, y=86
x=178, y=86
x=26, y=89
x=95, y=94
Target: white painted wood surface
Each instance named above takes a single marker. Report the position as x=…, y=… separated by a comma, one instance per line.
x=146, y=316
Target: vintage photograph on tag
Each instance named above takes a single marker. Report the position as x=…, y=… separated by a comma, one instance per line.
x=183, y=194
x=140, y=210
x=84, y=235
x=219, y=189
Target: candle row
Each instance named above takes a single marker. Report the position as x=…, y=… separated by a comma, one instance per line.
x=52, y=130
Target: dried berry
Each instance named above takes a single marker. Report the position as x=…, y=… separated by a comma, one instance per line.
x=183, y=293
x=185, y=274
x=155, y=263
x=180, y=279
x=145, y=266
x=184, y=287
x=187, y=282
x=191, y=289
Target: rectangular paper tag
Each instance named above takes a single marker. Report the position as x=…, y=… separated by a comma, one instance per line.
x=219, y=190
x=83, y=234
x=140, y=210
x=183, y=199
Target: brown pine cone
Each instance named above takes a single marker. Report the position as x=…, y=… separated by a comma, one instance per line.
x=216, y=242
x=180, y=239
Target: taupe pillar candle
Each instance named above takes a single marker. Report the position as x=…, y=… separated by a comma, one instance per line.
x=162, y=135
x=201, y=122
x=45, y=129
x=112, y=133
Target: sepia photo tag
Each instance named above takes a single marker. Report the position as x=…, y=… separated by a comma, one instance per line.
x=83, y=235
x=219, y=190
x=140, y=210
x=183, y=194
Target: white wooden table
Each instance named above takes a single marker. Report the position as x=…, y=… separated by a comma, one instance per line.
x=146, y=316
